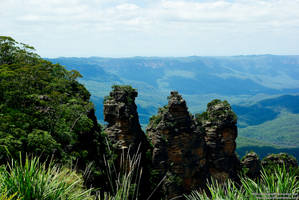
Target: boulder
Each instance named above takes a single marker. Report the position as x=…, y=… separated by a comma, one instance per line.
x=251, y=164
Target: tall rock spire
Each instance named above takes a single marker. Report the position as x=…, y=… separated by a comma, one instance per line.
x=120, y=111
x=219, y=123
x=178, y=148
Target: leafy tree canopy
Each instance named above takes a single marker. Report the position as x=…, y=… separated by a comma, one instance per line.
x=44, y=110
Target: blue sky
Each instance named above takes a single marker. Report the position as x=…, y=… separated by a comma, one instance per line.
x=122, y=28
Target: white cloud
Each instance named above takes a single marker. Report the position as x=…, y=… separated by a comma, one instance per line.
x=127, y=7
x=153, y=27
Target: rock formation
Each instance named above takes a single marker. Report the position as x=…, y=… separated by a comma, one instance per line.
x=280, y=159
x=186, y=151
x=219, y=123
x=252, y=164
x=120, y=111
x=179, y=151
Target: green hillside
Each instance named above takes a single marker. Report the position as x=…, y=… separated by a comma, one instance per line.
x=282, y=131
x=245, y=145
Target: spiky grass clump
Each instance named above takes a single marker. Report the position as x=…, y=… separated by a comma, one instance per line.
x=280, y=181
x=276, y=183
x=227, y=191
x=124, y=177
x=32, y=179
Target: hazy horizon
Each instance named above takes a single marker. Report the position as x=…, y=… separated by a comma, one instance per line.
x=169, y=56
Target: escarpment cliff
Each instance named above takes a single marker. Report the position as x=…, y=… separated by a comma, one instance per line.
x=186, y=150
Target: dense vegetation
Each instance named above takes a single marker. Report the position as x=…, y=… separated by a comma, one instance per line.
x=45, y=111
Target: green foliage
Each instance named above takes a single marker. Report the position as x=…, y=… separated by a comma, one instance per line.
x=126, y=88
x=173, y=179
x=279, y=181
x=15, y=52
x=32, y=179
x=214, y=102
x=155, y=119
x=220, y=110
x=282, y=160
x=106, y=98
x=217, y=111
x=45, y=110
x=124, y=176
x=201, y=117
x=5, y=196
x=41, y=141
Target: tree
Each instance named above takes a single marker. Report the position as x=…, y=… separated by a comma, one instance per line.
x=45, y=110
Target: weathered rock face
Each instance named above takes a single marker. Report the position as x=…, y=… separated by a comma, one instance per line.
x=219, y=123
x=252, y=164
x=280, y=159
x=120, y=111
x=178, y=148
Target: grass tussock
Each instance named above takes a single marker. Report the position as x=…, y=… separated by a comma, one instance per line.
x=124, y=176
x=278, y=182
x=32, y=179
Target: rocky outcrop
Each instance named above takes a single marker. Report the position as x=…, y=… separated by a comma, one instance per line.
x=179, y=150
x=280, y=159
x=219, y=124
x=251, y=165
x=120, y=111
